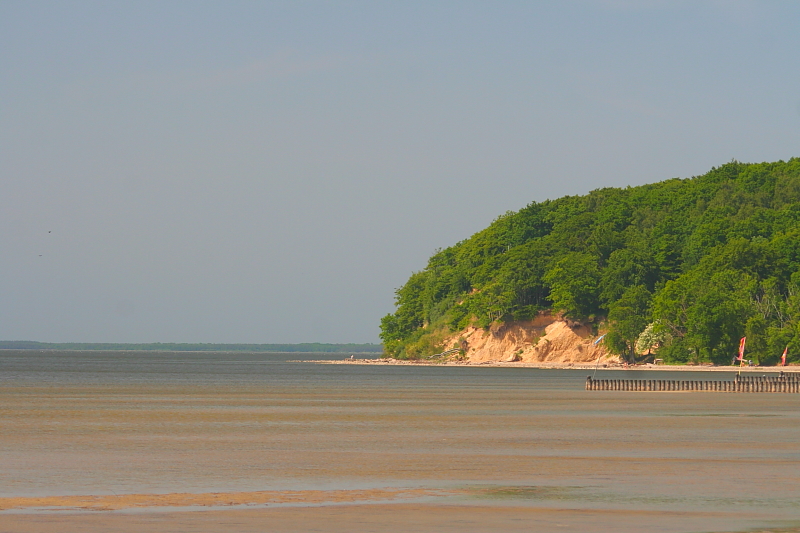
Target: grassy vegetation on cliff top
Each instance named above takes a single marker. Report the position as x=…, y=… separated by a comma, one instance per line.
x=691, y=265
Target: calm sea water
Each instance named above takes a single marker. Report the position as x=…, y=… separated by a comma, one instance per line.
x=131, y=422
x=20, y=367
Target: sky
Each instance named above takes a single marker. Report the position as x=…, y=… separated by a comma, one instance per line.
x=270, y=172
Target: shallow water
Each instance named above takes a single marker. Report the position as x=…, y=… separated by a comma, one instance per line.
x=134, y=422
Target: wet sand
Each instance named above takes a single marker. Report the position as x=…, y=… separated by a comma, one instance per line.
x=393, y=449
x=382, y=518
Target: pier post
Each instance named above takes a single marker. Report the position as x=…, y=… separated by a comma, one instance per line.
x=785, y=383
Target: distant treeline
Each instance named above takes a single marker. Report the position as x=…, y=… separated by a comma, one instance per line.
x=188, y=347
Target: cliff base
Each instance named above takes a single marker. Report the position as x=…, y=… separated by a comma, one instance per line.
x=545, y=339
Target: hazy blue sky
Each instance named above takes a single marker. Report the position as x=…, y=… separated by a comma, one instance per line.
x=272, y=171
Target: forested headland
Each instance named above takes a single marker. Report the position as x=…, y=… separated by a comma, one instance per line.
x=683, y=267
x=309, y=347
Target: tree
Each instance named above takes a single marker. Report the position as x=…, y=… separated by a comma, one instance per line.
x=654, y=336
x=574, y=282
x=706, y=313
x=627, y=318
x=628, y=267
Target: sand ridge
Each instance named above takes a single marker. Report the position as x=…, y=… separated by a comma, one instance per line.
x=216, y=499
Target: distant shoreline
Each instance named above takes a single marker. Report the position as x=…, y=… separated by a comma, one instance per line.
x=307, y=347
x=558, y=366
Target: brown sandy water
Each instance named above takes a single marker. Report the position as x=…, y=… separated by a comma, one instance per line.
x=232, y=442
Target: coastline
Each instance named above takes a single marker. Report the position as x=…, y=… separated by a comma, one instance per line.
x=557, y=366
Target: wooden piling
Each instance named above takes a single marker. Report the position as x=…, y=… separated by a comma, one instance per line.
x=786, y=382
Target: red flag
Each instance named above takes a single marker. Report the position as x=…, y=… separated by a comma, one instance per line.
x=783, y=357
x=741, y=349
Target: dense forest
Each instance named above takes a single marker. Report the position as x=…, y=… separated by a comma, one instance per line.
x=685, y=267
x=309, y=347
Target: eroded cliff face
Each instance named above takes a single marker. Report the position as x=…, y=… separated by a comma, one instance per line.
x=546, y=339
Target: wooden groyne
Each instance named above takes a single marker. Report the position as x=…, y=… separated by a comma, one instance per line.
x=788, y=382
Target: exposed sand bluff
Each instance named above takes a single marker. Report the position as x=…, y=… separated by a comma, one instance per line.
x=545, y=339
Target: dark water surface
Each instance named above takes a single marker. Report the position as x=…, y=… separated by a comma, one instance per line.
x=146, y=422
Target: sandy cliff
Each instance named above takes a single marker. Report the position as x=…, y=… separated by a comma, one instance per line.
x=546, y=339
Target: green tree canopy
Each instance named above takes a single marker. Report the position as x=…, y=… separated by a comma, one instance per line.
x=706, y=260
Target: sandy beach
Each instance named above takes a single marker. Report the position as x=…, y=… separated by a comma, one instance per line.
x=560, y=366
